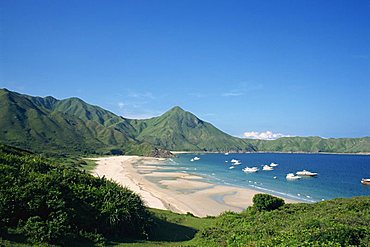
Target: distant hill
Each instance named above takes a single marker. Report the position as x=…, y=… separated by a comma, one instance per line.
x=74, y=126
x=315, y=144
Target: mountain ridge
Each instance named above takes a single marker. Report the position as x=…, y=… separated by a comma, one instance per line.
x=72, y=125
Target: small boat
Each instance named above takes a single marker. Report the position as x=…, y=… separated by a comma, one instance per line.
x=291, y=176
x=226, y=153
x=231, y=167
x=267, y=168
x=273, y=164
x=192, y=160
x=196, y=158
x=250, y=169
x=365, y=181
x=235, y=162
x=306, y=173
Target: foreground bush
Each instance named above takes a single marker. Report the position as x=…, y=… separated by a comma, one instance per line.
x=338, y=222
x=267, y=202
x=56, y=204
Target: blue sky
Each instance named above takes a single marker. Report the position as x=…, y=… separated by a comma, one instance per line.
x=291, y=67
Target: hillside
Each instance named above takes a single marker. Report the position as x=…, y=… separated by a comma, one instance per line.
x=44, y=202
x=74, y=126
x=314, y=144
x=49, y=125
x=181, y=130
x=338, y=222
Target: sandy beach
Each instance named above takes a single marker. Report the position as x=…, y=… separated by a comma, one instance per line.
x=176, y=191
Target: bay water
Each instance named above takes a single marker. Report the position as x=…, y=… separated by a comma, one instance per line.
x=338, y=175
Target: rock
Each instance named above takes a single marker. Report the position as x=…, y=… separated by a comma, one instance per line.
x=161, y=153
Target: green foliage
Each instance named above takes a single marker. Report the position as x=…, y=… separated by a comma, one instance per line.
x=55, y=204
x=339, y=222
x=266, y=202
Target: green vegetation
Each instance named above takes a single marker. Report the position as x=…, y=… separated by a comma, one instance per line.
x=339, y=222
x=66, y=127
x=172, y=229
x=73, y=127
x=265, y=202
x=314, y=144
x=49, y=203
x=42, y=202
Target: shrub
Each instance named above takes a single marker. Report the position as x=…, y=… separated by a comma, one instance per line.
x=50, y=203
x=265, y=202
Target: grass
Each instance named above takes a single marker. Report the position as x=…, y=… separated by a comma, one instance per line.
x=90, y=165
x=172, y=229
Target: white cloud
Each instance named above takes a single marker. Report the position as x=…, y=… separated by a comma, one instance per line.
x=232, y=94
x=267, y=135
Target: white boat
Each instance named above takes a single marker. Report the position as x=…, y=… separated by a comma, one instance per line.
x=226, y=153
x=231, y=167
x=306, y=173
x=273, y=164
x=267, y=168
x=196, y=158
x=234, y=160
x=192, y=160
x=291, y=176
x=250, y=169
x=237, y=163
x=365, y=181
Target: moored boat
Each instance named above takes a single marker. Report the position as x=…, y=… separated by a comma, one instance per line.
x=267, y=168
x=306, y=173
x=365, y=181
x=250, y=169
x=235, y=162
x=273, y=164
x=291, y=176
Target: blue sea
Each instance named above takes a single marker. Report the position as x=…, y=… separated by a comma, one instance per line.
x=338, y=175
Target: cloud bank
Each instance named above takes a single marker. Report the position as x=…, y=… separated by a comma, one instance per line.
x=267, y=135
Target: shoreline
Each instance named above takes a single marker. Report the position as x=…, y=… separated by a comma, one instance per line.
x=175, y=191
x=264, y=152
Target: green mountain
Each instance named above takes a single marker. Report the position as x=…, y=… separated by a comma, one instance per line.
x=74, y=126
x=181, y=130
x=314, y=145
x=50, y=125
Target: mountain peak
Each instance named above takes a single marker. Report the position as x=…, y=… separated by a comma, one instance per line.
x=176, y=109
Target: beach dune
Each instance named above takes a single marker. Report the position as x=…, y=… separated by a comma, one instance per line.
x=175, y=191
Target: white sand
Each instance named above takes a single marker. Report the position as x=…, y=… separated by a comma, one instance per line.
x=176, y=191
